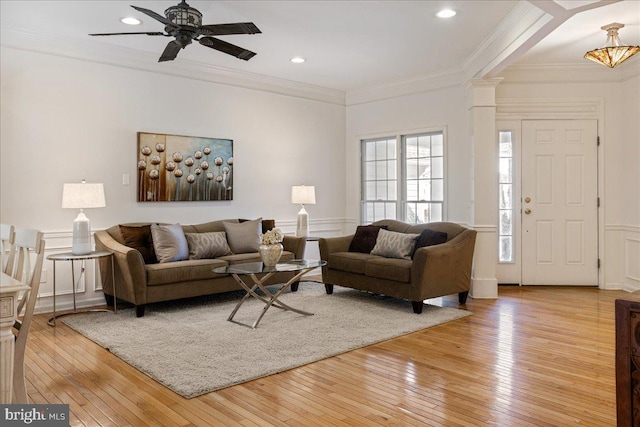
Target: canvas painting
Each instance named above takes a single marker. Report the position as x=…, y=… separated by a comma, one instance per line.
x=184, y=168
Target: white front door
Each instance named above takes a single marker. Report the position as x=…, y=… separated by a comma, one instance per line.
x=559, y=202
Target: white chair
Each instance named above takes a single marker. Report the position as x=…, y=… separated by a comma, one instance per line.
x=7, y=234
x=25, y=262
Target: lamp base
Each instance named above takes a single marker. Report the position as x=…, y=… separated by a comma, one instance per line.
x=81, y=243
x=302, y=226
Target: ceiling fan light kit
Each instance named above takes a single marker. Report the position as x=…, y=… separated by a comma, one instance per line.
x=184, y=23
x=614, y=53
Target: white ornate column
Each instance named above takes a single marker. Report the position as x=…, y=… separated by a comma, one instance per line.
x=484, y=203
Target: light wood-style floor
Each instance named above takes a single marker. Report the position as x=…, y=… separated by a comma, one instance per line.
x=537, y=356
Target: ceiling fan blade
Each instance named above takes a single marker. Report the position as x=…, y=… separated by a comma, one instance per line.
x=225, y=47
x=156, y=16
x=170, y=52
x=226, y=29
x=150, y=33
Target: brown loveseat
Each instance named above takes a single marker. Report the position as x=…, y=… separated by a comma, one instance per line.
x=433, y=271
x=141, y=284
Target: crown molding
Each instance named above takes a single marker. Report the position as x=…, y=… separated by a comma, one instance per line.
x=424, y=83
x=570, y=73
x=94, y=51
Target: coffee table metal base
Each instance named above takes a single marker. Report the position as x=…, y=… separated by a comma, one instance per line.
x=269, y=299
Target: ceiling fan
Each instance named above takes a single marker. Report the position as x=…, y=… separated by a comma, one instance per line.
x=185, y=24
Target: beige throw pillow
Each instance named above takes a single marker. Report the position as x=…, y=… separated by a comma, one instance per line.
x=207, y=245
x=169, y=243
x=243, y=237
x=391, y=244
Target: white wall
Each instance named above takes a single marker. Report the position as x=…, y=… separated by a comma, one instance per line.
x=438, y=108
x=630, y=230
x=63, y=120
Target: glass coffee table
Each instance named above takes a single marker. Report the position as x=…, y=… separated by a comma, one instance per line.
x=259, y=274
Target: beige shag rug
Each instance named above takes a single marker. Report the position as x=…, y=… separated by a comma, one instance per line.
x=191, y=348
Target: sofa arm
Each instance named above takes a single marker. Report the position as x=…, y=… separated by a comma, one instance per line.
x=444, y=269
x=295, y=244
x=329, y=245
x=130, y=274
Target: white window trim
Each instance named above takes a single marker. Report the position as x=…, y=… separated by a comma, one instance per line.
x=398, y=134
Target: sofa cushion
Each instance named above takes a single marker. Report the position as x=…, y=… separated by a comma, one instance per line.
x=365, y=238
x=350, y=262
x=182, y=271
x=429, y=238
x=139, y=238
x=398, y=270
x=391, y=244
x=207, y=245
x=169, y=243
x=244, y=237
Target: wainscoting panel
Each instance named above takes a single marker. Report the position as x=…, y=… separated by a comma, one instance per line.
x=622, y=257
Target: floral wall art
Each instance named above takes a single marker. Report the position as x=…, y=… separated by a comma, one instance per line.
x=184, y=168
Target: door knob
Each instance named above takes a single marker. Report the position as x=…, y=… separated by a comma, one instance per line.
x=527, y=211
x=527, y=199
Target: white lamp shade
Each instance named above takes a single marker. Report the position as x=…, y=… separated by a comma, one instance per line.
x=303, y=195
x=83, y=196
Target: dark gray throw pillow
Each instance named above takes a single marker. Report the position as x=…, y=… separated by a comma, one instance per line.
x=139, y=238
x=365, y=238
x=429, y=238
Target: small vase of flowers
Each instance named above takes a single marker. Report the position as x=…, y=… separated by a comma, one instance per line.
x=271, y=247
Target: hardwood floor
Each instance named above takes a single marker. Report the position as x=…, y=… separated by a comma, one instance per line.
x=537, y=356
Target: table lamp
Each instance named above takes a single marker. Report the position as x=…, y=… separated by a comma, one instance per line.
x=82, y=196
x=303, y=195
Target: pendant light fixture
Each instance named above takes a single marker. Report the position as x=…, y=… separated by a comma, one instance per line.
x=614, y=53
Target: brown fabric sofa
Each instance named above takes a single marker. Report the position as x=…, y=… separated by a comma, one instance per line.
x=434, y=271
x=141, y=284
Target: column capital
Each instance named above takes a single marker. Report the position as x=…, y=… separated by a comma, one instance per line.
x=482, y=92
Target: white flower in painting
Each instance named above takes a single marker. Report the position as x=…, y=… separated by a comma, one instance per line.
x=191, y=179
x=189, y=162
x=142, y=165
x=218, y=161
x=271, y=237
x=160, y=147
x=177, y=157
x=206, y=150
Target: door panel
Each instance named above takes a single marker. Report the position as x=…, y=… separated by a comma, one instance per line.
x=560, y=222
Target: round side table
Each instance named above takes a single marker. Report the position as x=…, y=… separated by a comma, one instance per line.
x=68, y=256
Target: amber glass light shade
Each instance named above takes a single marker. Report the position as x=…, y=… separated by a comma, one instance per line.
x=613, y=54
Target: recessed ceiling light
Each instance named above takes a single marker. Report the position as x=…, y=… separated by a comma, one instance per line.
x=298, y=60
x=129, y=20
x=446, y=13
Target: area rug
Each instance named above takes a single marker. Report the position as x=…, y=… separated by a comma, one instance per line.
x=191, y=348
